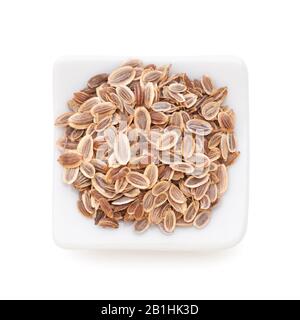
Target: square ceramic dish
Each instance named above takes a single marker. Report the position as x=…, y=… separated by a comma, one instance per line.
x=229, y=219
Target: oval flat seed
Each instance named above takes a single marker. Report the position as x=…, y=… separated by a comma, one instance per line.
x=168, y=140
x=199, y=127
x=152, y=76
x=122, y=149
x=89, y=104
x=141, y=226
x=176, y=194
x=161, y=187
x=177, y=87
x=142, y=119
x=193, y=182
x=210, y=110
x=85, y=147
x=148, y=201
x=70, y=159
x=62, y=120
x=212, y=192
x=169, y=221
x=121, y=76
x=223, y=178
x=80, y=120
x=191, y=212
x=161, y=106
x=70, y=175
x=202, y=220
x=226, y=121
x=87, y=169
x=138, y=180
x=205, y=202
x=151, y=172
x=160, y=200
x=149, y=94
x=184, y=167
x=125, y=94
x=207, y=84
x=122, y=200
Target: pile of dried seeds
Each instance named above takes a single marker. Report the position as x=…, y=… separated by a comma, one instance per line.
x=144, y=146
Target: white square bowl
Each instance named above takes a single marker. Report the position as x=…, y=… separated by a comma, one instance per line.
x=229, y=219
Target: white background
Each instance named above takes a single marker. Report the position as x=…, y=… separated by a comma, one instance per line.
x=34, y=33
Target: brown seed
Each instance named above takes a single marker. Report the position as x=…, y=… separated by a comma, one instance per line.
x=87, y=169
x=80, y=120
x=105, y=207
x=184, y=167
x=161, y=187
x=125, y=94
x=207, y=84
x=138, y=93
x=226, y=121
x=161, y=106
x=156, y=216
x=82, y=209
x=149, y=94
x=178, y=207
x=122, y=200
x=169, y=221
x=231, y=142
x=176, y=120
x=167, y=140
x=215, y=140
x=138, y=180
x=81, y=182
x=62, y=120
x=80, y=96
x=86, y=199
x=97, y=80
x=141, y=225
x=151, y=172
x=181, y=223
x=103, y=110
x=148, y=201
x=210, y=110
x=142, y=119
x=177, y=87
x=176, y=194
x=120, y=185
x=202, y=219
x=188, y=146
x=205, y=202
x=122, y=148
x=212, y=192
x=70, y=159
x=108, y=223
x=70, y=175
x=139, y=212
x=232, y=157
x=191, y=212
x=190, y=100
x=89, y=104
x=158, y=118
x=223, y=178
x=194, y=182
x=224, y=147
x=160, y=200
x=199, y=127
x=152, y=76
x=121, y=76
x=200, y=191
x=85, y=147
